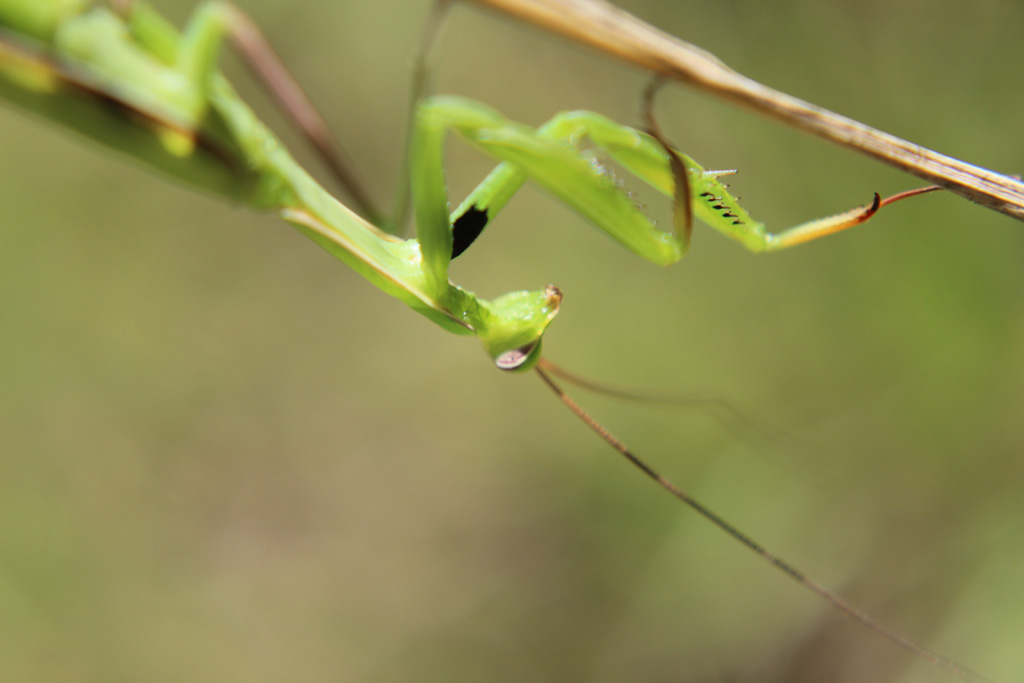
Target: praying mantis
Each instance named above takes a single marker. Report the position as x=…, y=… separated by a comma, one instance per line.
x=497, y=350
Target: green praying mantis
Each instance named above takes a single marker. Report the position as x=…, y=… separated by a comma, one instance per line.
x=200, y=128
x=126, y=78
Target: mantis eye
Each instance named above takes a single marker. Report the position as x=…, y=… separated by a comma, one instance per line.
x=517, y=358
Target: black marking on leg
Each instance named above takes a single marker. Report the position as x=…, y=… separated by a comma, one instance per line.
x=467, y=228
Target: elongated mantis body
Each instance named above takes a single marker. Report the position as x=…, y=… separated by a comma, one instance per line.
x=172, y=81
x=236, y=156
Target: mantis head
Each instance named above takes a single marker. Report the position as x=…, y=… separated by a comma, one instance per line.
x=514, y=329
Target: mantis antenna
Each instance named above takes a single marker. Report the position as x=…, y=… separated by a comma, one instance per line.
x=786, y=568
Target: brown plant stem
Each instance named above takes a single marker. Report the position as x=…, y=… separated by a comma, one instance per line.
x=607, y=28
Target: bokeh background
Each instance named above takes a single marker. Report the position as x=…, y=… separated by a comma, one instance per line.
x=224, y=457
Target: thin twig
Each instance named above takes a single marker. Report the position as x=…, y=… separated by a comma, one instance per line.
x=609, y=29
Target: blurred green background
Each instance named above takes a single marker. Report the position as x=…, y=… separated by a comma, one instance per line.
x=224, y=457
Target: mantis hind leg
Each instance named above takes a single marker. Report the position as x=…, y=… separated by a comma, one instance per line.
x=194, y=55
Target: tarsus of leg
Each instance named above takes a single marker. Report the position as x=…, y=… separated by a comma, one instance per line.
x=682, y=207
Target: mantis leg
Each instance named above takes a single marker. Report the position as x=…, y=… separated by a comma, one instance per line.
x=550, y=156
x=195, y=57
x=547, y=156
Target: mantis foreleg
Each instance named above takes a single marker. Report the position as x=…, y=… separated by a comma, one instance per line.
x=551, y=156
